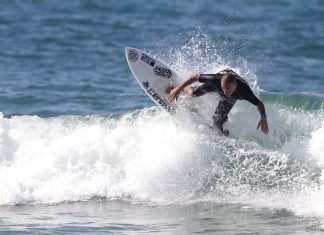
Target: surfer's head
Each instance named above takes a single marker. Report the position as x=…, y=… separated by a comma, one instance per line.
x=228, y=84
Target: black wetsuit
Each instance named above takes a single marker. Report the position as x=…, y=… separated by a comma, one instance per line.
x=212, y=83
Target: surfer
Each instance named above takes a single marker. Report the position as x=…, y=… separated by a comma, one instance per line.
x=230, y=87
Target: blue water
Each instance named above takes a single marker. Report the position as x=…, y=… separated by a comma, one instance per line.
x=84, y=150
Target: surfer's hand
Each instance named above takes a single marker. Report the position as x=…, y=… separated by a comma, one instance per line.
x=264, y=126
x=174, y=93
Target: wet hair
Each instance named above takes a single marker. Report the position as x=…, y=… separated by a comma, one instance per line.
x=228, y=78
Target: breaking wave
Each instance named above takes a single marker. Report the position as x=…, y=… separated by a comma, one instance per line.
x=149, y=156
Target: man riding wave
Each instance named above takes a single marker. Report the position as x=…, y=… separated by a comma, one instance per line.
x=230, y=86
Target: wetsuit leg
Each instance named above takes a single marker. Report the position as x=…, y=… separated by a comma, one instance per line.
x=224, y=107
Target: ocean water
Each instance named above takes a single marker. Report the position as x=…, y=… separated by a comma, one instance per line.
x=83, y=150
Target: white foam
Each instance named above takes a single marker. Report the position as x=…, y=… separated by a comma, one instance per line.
x=75, y=158
x=316, y=145
x=150, y=156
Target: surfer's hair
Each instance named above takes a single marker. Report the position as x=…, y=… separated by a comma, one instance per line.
x=228, y=78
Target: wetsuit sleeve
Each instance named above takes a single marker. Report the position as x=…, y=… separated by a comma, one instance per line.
x=202, y=89
x=249, y=95
x=208, y=78
x=209, y=84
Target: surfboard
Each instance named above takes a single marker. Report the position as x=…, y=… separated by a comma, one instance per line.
x=153, y=76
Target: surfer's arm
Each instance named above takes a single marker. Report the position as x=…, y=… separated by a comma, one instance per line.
x=249, y=96
x=263, y=123
x=174, y=93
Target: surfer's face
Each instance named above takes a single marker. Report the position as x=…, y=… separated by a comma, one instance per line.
x=229, y=88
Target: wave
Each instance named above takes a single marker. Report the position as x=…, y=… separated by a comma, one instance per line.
x=150, y=156
x=303, y=100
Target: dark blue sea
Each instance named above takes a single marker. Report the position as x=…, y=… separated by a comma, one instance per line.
x=83, y=149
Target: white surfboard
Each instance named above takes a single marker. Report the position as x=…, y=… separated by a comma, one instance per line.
x=153, y=76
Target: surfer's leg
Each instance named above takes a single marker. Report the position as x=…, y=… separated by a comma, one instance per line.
x=220, y=116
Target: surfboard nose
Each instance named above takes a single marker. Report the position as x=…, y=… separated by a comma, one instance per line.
x=127, y=49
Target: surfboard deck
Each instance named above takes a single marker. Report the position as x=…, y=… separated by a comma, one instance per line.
x=153, y=76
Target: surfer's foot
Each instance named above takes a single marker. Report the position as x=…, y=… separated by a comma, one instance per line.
x=168, y=90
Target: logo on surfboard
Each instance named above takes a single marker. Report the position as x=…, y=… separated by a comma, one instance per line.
x=146, y=84
x=132, y=55
x=162, y=72
x=148, y=60
x=158, y=98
